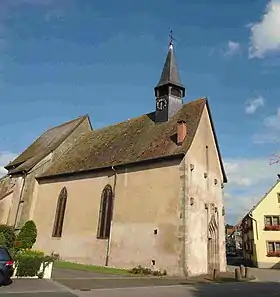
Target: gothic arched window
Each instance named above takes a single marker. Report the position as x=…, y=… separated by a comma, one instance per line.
x=105, y=213
x=60, y=212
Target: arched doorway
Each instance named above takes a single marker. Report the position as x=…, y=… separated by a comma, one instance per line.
x=213, y=244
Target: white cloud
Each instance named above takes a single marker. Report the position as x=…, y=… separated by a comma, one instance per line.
x=232, y=48
x=5, y=158
x=253, y=104
x=273, y=121
x=248, y=181
x=270, y=132
x=265, y=34
x=249, y=172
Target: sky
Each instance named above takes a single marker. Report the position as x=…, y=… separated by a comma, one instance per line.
x=60, y=59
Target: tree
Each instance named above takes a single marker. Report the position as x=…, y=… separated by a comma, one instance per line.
x=9, y=235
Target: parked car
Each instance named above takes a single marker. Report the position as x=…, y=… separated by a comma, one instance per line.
x=6, y=266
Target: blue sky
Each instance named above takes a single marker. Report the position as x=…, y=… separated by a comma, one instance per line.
x=62, y=59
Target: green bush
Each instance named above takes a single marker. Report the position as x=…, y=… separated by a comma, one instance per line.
x=9, y=234
x=27, y=236
x=147, y=271
x=28, y=262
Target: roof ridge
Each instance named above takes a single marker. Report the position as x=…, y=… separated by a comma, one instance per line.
x=145, y=114
x=18, y=160
x=66, y=123
x=196, y=100
x=118, y=123
x=263, y=197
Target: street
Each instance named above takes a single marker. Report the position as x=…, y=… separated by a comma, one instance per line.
x=71, y=283
x=219, y=290
x=53, y=289
x=40, y=295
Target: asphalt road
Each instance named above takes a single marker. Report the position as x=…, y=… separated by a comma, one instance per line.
x=218, y=290
x=49, y=294
x=70, y=284
x=91, y=284
x=50, y=289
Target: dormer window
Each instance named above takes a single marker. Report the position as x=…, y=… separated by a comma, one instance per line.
x=176, y=92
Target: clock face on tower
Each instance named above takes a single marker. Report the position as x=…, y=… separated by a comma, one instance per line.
x=161, y=104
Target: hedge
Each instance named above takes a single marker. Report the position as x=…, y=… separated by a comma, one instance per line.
x=28, y=263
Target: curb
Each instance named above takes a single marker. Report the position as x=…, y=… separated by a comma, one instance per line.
x=64, y=288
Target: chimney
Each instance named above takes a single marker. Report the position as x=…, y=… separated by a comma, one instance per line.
x=181, y=132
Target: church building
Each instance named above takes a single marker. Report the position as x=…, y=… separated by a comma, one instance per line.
x=147, y=191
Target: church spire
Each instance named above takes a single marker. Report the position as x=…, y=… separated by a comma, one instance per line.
x=170, y=73
x=169, y=91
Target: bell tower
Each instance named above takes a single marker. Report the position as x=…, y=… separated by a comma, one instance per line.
x=169, y=91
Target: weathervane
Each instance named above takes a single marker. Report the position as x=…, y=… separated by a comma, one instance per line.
x=171, y=37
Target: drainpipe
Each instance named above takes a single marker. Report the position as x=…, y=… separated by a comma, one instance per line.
x=109, y=237
x=20, y=197
x=184, y=223
x=257, y=233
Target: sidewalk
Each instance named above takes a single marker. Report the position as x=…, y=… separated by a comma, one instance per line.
x=34, y=287
x=263, y=275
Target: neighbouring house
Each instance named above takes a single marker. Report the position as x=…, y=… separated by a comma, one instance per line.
x=147, y=191
x=237, y=235
x=261, y=231
x=233, y=239
x=229, y=229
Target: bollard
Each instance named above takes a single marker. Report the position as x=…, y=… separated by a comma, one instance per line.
x=242, y=271
x=237, y=274
x=247, y=273
x=215, y=274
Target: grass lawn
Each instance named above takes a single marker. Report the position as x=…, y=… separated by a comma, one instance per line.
x=97, y=269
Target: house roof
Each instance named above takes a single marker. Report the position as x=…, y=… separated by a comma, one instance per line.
x=43, y=146
x=262, y=199
x=6, y=186
x=135, y=140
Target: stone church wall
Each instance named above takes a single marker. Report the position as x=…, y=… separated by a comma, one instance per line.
x=5, y=205
x=145, y=221
x=205, y=196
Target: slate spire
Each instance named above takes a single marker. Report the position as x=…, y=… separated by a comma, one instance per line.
x=170, y=73
x=169, y=91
